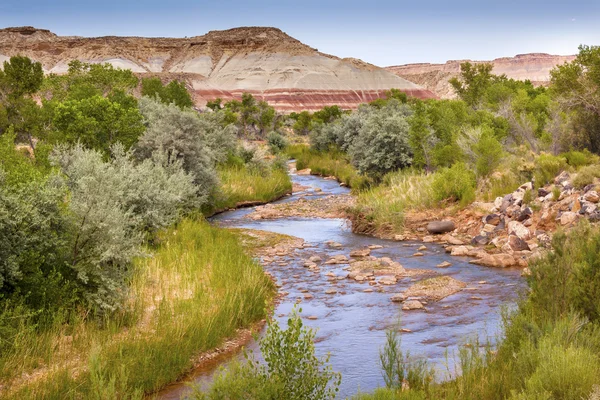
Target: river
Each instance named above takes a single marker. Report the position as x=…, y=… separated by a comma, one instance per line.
x=351, y=324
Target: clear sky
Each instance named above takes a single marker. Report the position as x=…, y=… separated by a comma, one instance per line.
x=381, y=32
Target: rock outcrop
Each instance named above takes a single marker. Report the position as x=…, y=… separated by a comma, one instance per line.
x=535, y=67
x=266, y=62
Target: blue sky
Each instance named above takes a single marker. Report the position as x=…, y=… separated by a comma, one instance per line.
x=380, y=32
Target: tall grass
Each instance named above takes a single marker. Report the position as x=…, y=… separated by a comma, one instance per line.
x=240, y=184
x=197, y=289
x=381, y=209
x=329, y=163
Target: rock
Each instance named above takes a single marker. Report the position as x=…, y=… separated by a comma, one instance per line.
x=359, y=278
x=498, y=202
x=592, y=196
x=306, y=171
x=526, y=213
x=513, y=210
x=440, y=226
x=375, y=246
x=496, y=260
x=452, y=240
x=339, y=259
x=308, y=264
x=435, y=288
x=360, y=253
x=318, y=190
x=315, y=259
x=459, y=251
x=308, y=296
x=418, y=254
x=480, y=240
x=543, y=192
x=492, y=219
x=331, y=291
x=334, y=245
x=399, y=238
x=388, y=280
x=526, y=272
x=561, y=178
x=567, y=218
x=518, y=229
x=428, y=239
x=312, y=317
x=422, y=248
x=489, y=228
x=368, y=290
x=412, y=305
x=444, y=264
x=398, y=298
x=526, y=186
x=517, y=244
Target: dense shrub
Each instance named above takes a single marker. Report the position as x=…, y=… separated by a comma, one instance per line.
x=547, y=167
x=111, y=205
x=586, y=176
x=181, y=135
x=291, y=369
x=456, y=183
x=578, y=159
x=276, y=142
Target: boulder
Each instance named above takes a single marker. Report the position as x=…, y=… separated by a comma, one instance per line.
x=568, y=217
x=592, y=196
x=562, y=177
x=398, y=298
x=459, y=251
x=480, y=240
x=315, y=259
x=306, y=171
x=412, y=305
x=518, y=229
x=525, y=213
x=496, y=260
x=489, y=228
x=334, y=245
x=440, y=227
x=492, y=219
x=517, y=244
x=543, y=192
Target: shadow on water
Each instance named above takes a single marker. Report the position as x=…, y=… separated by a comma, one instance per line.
x=351, y=324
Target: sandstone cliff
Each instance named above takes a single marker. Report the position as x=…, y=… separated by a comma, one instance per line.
x=263, y=61
x=535, y=67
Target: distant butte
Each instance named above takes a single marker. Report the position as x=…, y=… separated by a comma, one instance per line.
x=263, y=61
x=534, y=66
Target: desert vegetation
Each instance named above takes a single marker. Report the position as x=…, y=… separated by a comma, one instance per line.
x=101, y=197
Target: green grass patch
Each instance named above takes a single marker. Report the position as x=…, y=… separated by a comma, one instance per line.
x=195, y=291
x=381, y=209
x=240, y=184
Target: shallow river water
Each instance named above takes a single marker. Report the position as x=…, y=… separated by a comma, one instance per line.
x=352, y=323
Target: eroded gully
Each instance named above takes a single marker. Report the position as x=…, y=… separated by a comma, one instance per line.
x=351, y=323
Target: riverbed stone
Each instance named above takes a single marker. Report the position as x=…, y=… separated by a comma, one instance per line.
x=315, y=259
x=592, y=196
x=517, y=244
x=331, y=291
x=412, y=305
x=453, y=240
x=388, y=280
x=422, y=248
x=459, y=251
x=435, y=288
x=338, y=259
x=438, y=227
x=375, y=246
x=361, y=253
x=334, y=245
x=497, y=260
x=417, y=254
x=398, y=298
x=444, y=264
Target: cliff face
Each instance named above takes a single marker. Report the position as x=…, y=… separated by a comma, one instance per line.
x=263, y=61
x=535, y=67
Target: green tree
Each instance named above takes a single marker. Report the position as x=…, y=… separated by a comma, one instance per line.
x=215, y=104
x=22, y=76
x=576, y=86
x=474, y=81
x=174, y=92
x=303, y=124
x=96, y=122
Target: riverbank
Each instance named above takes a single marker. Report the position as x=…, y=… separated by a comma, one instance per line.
x=198, y=289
